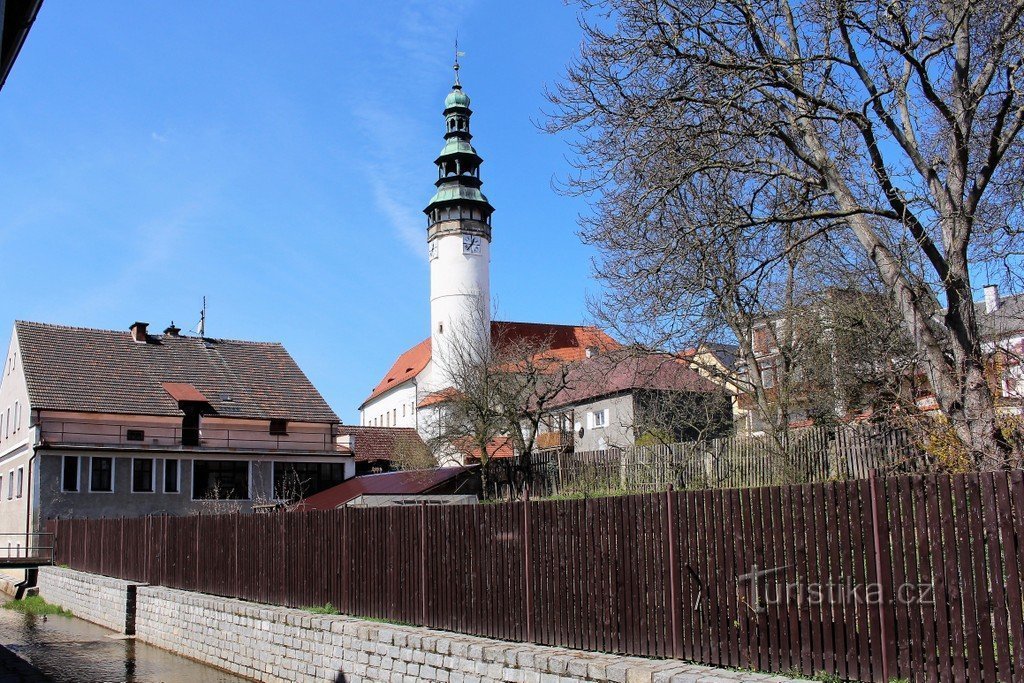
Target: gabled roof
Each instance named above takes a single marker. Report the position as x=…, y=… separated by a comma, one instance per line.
x=104, y=371
x=1007, y=319
x=628, y=370
x=380, y=443
x=567, y=343
x=389, y=483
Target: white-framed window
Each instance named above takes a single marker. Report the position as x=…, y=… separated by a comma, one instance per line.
x=598, y=419
x=10, y=485
x=69, y=474
x=101, y=475
x=1, y=487
x=172, y=476
x=7, y=423
x=19, y=487
x=17, y=415
x=143, y=475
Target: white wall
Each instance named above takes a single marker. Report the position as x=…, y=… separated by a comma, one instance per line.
x=395, y=408
x=460, y=297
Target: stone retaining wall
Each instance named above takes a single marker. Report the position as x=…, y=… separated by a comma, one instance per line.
x=99, y=599
x=280, y=644
x=267, y=643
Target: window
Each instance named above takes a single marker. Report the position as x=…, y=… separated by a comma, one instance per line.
x=600, y=418
x=7, y=423
x=279, y=427
x=135, y=435
x=768, y=374
x=17, y=415
x=10, y=485
x=171, y=484
x=101, y=475
x=19, y=487
x=220, y=480
x=69, y=475
x=294, y=480
x=143, y=475
x=1, y=486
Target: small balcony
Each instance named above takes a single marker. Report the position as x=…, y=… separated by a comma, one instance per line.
x=164, y=437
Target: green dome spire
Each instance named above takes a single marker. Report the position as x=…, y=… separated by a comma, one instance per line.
x=456, y=98
x=458, y=205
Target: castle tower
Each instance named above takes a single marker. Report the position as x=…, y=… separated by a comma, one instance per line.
x=459, y=244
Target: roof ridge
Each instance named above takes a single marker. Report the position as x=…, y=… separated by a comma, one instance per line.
x=523, y=322
x=77, y=328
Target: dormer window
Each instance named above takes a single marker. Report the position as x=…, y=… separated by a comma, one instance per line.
x=279, y=427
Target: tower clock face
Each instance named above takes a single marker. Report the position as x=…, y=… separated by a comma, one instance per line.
x=432, y=249
x=471, y=244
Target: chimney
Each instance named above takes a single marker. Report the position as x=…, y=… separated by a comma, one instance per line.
x=139, y=332
x=172, y=331
x=991, y=298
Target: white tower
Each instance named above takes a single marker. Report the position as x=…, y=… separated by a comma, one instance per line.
x=459, y=245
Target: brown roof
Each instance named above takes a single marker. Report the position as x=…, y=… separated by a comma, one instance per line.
x=389, y=483
x=104, y=371
x=615, y=373
x=566, y=342
x=379, y=443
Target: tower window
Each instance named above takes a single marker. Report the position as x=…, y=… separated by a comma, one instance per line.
x=440, y=328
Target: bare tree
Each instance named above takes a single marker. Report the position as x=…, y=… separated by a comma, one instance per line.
x=770, y=134
x=495, y=396
x=410, y=453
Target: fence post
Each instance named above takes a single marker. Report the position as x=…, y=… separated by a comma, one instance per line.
x=423, y=563
x=876, y=531
x=673, y=572
x=527, y=578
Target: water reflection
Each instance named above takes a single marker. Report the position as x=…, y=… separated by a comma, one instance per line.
x=69, y=650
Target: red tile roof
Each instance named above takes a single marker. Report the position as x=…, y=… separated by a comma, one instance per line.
x=498, y=447
x=379, y=443
x=438, y=397
x=181, y=391
x=408, y=365
x=566, y=342
x=389, y=483
x=104, y=371
x=616, y=372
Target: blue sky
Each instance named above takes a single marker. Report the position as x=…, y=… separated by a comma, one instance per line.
x=275, y=158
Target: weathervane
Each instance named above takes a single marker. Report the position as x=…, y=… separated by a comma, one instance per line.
x=457, y=55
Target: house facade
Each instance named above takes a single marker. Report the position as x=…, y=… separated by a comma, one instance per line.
x=631, y=397
x=101, y=423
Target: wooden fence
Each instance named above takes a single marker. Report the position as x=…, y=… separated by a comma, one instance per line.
x=812, y=454
x=915, y=577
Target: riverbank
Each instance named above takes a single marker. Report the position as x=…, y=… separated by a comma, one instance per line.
x=62, y=649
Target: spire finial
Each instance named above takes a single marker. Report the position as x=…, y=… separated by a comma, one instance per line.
x=456, y=65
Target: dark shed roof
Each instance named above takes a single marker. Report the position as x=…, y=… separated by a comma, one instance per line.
x=440, y=479
x=104, y=371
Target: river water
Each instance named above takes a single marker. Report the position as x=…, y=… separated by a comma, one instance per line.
x=70, y=650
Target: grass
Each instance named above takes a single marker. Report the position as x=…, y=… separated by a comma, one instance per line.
x=322, y=609
x=34, y=604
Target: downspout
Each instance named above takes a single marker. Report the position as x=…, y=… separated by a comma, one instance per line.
x=32, y=573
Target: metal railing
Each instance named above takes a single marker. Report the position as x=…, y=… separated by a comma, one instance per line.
x=163, y=436
x=26, y=549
